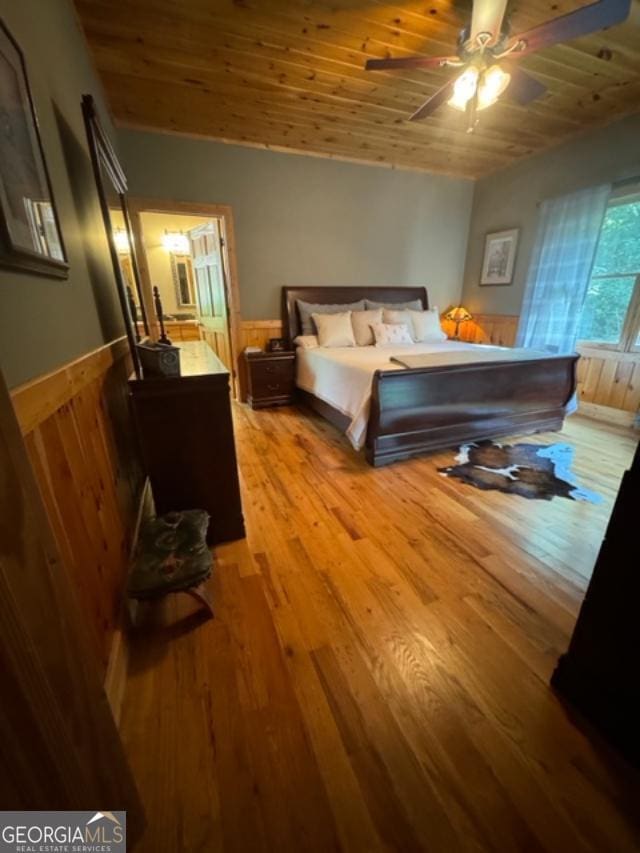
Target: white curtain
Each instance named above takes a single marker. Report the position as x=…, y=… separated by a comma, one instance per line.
x=560, y=269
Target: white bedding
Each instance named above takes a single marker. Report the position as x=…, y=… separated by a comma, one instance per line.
x=342, y=376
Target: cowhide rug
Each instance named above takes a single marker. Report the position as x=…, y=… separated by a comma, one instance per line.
x=529, y=470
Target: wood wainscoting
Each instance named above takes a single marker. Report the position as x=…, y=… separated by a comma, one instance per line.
x=497, y=329
x=60, y=748
x=77, y=429
x=608, y=381
x=256, y=333
x=609, y=384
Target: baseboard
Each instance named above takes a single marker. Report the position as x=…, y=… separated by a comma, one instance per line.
x=117, y=668
x=620, y=417
x=116, y=677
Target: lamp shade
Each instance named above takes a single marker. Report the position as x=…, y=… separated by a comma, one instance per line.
x=458, y=314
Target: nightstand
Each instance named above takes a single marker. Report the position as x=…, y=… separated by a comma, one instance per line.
x=270, y=378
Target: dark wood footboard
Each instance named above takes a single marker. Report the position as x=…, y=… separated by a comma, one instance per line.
x=413, y=411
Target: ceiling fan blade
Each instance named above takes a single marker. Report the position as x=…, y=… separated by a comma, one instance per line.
x=487, y=17
x=409, y=62
x=436, y=100
x=522, y=88
x=588, y=19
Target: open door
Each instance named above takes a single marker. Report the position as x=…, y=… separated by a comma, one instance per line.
x=211, y=292
x=59, y=744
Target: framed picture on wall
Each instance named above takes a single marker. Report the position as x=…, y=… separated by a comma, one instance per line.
x=30, y=235
x=499, y=257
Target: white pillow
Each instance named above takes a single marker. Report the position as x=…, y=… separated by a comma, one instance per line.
x=389, y=315
x=362, y=321
x=334, y=330
x=426, y=326
x=306, y=341
x=387, y=334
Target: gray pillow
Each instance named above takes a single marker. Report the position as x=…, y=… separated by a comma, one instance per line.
x=414, y=305
x=306, y=309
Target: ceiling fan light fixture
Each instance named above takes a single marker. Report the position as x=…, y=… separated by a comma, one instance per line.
x=464, y=88
x=492, y=84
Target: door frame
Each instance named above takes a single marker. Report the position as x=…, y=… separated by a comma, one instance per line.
x=224, y=214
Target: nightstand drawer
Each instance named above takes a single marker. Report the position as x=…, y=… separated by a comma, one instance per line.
x=271, y=386
x=272, y=370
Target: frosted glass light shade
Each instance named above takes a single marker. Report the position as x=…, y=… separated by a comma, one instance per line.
x=176, y=242
x=492, y=84
x=464, y=88
x=121, y=239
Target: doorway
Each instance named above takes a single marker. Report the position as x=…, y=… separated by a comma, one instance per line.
x=187, y=251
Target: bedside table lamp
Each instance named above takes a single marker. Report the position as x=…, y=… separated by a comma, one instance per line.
x=458, y=315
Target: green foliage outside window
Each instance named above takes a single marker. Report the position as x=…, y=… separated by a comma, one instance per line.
x=616, y=267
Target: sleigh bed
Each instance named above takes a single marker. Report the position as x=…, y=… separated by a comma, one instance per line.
x=410, y=411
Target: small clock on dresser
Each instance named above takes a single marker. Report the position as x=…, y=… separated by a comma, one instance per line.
x=270, y=378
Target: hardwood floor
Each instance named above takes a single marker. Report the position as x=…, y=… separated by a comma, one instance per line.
x=376, y=677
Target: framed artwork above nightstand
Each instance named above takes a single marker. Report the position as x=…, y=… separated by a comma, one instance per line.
x=270, y=378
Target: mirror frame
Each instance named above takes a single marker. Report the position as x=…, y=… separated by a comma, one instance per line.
x=104, y=157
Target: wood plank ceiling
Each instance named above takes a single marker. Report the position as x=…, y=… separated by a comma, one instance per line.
x=289, y=75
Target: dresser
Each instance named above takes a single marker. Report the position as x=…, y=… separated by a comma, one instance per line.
x=270, y=378
x=185, y=432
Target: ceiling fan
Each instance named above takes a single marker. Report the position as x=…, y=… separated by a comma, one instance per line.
x=486, y=52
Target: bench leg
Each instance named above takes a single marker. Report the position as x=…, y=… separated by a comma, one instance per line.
x=201, y=595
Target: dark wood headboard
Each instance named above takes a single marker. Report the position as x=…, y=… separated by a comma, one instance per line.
x=338, y=295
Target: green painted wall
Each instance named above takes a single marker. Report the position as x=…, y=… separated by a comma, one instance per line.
x=312, y=221
x=46, y=322
x=510, y=199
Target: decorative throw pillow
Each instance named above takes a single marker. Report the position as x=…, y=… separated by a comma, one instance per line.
x=426, y=326
x=414, y=305
x=334, y=330
x=362, y=321
x=306, y=341
x=394, y=317
x=391, y=333
x=306, y=309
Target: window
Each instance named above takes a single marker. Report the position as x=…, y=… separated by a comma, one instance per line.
x=611, y=312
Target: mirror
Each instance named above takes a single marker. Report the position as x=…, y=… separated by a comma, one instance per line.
x=112, y=187
x=182, y=272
